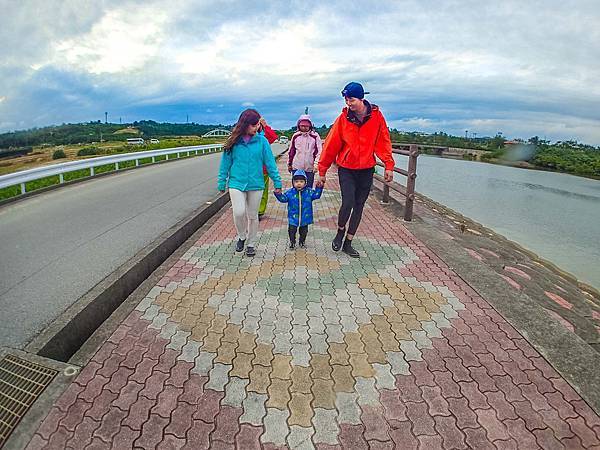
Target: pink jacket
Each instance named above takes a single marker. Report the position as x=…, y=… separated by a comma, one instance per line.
x=305, y=149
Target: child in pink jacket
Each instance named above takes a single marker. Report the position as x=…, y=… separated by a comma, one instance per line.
x=305, y=148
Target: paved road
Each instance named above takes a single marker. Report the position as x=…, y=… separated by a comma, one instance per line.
x=56, y=246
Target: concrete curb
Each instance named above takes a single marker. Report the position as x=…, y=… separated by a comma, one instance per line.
x=572, y=357
x=67, y=334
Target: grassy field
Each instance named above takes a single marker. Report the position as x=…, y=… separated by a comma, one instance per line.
x=42, y=156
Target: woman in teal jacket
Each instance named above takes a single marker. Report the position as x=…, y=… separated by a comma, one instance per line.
x=244, y=155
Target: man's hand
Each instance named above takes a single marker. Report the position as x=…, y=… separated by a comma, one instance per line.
x=321, y=181
x=277, y=190
x=388, y=176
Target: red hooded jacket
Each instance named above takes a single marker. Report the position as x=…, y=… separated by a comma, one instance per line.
x=271, y=137
x=355, y=146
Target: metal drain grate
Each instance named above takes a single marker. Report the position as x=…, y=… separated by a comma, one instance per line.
x=21, y=383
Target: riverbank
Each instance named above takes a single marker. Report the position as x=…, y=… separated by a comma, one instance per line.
x=529, y=166
x=519, y=164
x=554, y=215
x=574, y=304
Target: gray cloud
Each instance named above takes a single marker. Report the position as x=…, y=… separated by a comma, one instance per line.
x=527, y=67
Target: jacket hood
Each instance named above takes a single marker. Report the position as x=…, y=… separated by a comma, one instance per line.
x=299, y=173
x=304, y=117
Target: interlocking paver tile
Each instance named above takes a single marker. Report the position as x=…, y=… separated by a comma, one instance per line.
x=276, y=426
x=197, y=436
x=300, y=437
x=351, y=436
x=343, y=379
x=279, y=393
x=139, y=412
x=254, y=408
x=312, y=348
x=235, y=391
x=300, y=409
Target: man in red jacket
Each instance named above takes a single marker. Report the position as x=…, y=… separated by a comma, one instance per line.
x=358, y=135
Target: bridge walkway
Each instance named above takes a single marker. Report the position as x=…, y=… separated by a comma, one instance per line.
x=312, y=349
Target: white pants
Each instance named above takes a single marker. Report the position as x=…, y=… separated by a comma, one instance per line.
x=245, y=213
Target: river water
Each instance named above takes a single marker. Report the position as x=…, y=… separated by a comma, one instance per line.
x=552, y=214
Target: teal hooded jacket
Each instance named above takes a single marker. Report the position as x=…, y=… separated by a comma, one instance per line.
x=242, y=166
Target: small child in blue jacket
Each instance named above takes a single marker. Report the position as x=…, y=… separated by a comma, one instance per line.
x=300, y=212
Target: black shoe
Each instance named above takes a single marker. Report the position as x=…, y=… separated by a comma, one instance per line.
x=239, y=247
x=349, y=250
x=250, y=251
x=292, y=245
x=337, y=240
x=301, y=244
x=260, y=217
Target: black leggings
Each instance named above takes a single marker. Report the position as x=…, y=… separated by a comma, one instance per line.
x=292, y=232
x=355, y=185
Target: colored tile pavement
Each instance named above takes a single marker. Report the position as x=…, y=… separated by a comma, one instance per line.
x=313, y=349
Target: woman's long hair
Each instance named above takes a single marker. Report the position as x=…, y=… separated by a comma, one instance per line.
x=247, y=117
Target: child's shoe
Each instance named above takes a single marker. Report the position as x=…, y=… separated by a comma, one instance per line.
x=292, y=245
x=301, y=244
x=250, y=251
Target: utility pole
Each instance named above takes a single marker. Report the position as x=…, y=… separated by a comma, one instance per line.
x=466, y=134
x=187, y=118
x=105, y=117
x=120, y=121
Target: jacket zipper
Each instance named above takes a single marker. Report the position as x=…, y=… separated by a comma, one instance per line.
x=299, y=209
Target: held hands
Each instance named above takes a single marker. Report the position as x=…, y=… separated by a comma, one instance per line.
x=321, y=181
x=388, y=176
x=277, y=190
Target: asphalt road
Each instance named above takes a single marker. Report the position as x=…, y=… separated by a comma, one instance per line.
x=56, y=246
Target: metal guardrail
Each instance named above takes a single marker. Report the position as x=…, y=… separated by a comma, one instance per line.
x=410, y=174
x=24, y=176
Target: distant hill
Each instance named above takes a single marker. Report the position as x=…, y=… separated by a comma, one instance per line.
x=562, y=156
x=74, y=133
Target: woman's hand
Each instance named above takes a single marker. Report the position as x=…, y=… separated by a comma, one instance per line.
x=388, y=176
x=222, y=192
x=277, y=190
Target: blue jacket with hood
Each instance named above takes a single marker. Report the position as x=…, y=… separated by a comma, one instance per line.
x=242, y=166
x=300, y=210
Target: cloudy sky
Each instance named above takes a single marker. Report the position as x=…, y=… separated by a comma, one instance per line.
x=523, y=67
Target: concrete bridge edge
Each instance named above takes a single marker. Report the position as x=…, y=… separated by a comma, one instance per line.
x=574, y=359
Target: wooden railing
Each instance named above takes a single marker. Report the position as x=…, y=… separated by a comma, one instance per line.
x=410, y=174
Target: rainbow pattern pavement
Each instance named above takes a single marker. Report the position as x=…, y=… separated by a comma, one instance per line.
x=313, y=349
